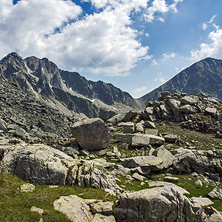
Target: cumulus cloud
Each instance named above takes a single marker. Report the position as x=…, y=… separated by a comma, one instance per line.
x=26, y=25
x=211, y=49
x=102, y=42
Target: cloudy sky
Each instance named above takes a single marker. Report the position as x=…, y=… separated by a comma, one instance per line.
x=136, y=45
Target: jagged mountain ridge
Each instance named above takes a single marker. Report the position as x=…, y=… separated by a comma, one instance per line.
x=66, y=91
x=203, y=76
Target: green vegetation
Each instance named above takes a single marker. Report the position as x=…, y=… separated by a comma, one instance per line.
x=15, y=206
x=187, y=181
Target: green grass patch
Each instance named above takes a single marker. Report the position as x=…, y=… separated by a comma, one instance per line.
x=15, y=206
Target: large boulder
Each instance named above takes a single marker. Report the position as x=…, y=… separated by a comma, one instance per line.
x=200, y=161
x=91, y=134
x=156, y=204
x=38, y=163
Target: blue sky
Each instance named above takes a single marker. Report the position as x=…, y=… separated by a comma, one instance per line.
x=136, y=45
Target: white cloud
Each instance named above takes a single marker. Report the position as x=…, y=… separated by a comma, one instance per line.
x=161, y=19
x=204, y=26
x=212, y=19
x=211, y=49
x=154, y=62
x=103, y=42
x=139, y=90
x=24, y=26
x=169, y=55
x=160, y=7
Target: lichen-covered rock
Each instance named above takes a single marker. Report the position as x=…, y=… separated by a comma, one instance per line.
x=165, y=155
x=156, y=204
x=27, y=187
x=91, y=134
x=105, y=208
x=102, y=218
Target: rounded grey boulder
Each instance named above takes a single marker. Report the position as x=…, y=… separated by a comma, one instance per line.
x=91, y=134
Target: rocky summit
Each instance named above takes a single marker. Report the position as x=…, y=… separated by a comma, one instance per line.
x=204, y=76
x=163, y=163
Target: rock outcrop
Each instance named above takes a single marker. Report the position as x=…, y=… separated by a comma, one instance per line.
x=46, y=165
x=159, y=204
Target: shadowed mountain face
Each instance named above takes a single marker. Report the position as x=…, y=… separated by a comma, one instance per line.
x=204, y=76
x=63, y=90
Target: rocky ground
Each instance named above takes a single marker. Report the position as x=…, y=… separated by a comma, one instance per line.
x=161, y=164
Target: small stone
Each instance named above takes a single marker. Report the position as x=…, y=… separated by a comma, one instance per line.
x=26, y=188
x=138, y=177
x=199, y=183
x=53, y=186
x=37, y=210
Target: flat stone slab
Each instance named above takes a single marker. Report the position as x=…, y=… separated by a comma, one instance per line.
x=167, y=184
x=139, y=140
x=141, y=161
x=171, y=179
x=201, y=201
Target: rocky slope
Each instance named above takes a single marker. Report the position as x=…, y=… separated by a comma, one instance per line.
x=63, y=90
x=21, y=114
x=130, y=157
x=203, y=76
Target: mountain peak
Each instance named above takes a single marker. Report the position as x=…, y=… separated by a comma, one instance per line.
x=203, y=76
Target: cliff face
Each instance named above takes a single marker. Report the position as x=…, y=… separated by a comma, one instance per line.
x=63, y=90
x=204, y=76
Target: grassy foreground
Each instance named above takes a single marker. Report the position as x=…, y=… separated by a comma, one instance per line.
x=15, y=206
